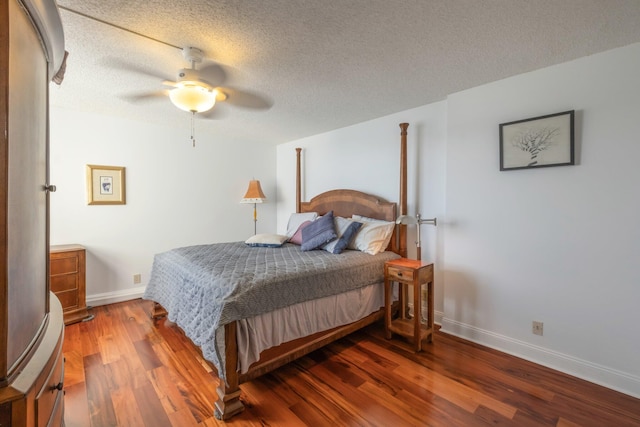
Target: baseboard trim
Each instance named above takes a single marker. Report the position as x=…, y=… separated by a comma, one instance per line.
x=437, y=317
x=583, y=369
x=113, y=297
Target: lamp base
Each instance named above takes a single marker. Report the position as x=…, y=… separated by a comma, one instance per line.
x=255, y=219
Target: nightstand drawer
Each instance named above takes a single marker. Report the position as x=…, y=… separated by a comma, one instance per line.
x=399, y=274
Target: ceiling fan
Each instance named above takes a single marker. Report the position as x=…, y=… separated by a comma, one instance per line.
x=191, y=90
x=198, y=90
x=194, y=90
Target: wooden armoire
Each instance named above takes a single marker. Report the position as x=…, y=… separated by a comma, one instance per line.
x=31, y=321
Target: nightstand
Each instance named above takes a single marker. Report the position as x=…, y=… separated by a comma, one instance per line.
x=407, y=272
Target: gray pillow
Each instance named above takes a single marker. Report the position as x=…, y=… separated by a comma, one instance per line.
x=346, y=229
x=318, y=233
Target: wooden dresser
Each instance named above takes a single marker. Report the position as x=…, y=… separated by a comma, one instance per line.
x=67, y=272
x=36, y=397
x=31, y=319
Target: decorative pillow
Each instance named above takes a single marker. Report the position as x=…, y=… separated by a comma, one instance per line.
x=267, y=240
x=345, y=230
x=297, y=236
x=379, y=221
x=319, y=232
x=374, y=235
x=296, y=219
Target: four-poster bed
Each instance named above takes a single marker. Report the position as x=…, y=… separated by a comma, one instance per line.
x=229, y=359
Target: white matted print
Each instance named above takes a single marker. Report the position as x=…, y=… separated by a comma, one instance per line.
x=537, y=142
x=105, y=185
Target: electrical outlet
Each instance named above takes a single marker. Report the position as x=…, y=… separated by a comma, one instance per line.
x=536, y=328
x=137, y=279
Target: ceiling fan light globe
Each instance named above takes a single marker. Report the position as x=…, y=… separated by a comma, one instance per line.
x=193, y=98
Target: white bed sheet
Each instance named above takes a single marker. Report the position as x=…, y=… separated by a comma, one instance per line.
x=276, y=327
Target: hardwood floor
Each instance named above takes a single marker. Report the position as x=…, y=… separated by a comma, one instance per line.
x=123, y=370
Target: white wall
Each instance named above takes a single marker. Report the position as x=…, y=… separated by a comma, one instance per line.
x=176, y=195
x=366, y=157
x=559, y=245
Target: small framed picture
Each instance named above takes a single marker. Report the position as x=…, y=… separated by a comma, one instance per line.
x=105, y=185
x=537, y=142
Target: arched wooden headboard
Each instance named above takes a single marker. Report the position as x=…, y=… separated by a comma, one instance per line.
x=348, y=202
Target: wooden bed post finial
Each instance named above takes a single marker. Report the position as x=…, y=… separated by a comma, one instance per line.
x=298, y=185
x=403, y=187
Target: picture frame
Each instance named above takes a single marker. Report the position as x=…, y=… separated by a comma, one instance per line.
x=105, y=185
x=538, y=142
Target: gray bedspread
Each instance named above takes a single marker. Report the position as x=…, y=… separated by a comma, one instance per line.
x=207, y=286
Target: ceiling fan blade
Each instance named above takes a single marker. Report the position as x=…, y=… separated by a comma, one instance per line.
x=246, y=99
x=147, y=96
x=216, y=113
x=134, y=68
x=213, y=74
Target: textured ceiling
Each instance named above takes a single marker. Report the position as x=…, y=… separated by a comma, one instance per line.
x=323, y=64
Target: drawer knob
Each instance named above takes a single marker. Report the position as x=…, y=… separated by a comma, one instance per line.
x=58, y=387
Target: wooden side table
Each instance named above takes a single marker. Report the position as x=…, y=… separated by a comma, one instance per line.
x=409, y=272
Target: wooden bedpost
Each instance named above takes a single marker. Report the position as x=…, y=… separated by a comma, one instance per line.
x=403, y=187
x=298, y=183
x=228, y=403
x=157, y=311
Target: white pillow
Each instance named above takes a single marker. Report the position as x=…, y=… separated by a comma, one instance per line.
x=374, y=235
x=298, y=218
x=366, y=218
x=267, y=240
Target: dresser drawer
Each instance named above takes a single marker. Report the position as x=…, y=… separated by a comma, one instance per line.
x=51, y=393
x=64, y=282
x=68, y=299
x=64, y=264
x=57, y=417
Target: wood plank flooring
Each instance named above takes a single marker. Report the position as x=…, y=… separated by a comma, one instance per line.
x=122, y=370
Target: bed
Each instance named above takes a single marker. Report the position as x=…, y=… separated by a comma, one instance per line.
x=251, y=309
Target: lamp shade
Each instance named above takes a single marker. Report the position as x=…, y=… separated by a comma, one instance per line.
x=410, y=220
x=192, y=97
x=254, y=193
x=406, y=220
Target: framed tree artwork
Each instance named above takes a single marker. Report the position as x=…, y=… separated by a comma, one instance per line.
x=105, y=185
x=537, y=142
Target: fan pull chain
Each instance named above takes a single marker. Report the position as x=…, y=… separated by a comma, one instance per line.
x=193, y=138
